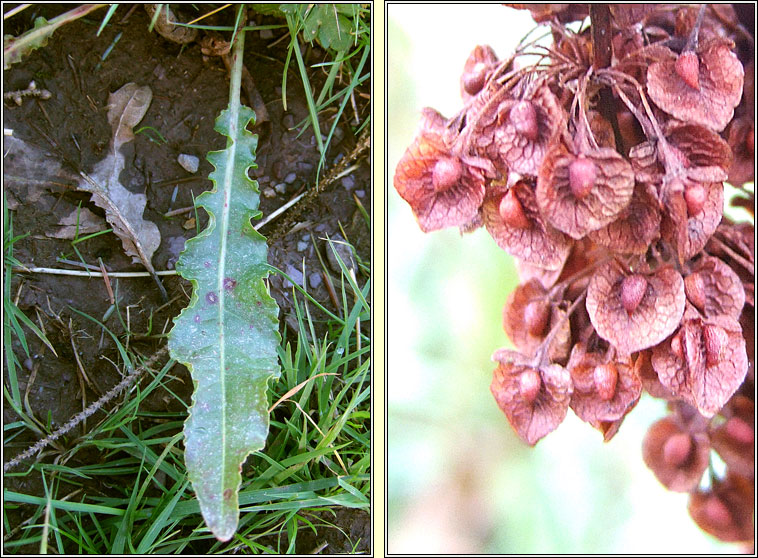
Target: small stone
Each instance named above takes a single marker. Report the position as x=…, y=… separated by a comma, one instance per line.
x=321, y=227
x=290, y=178
x=288, y=121
x=360, y=193
x=281, y=188
x=348, y=182
x=345, y=252
x=304, y=167
x=279, y=169
x=269, y=193
x=267, y=34
x=296, y=275
x=302, y=246
x=190, y=163
x=314, y=279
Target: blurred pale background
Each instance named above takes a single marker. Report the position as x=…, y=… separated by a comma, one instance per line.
x=459, y=479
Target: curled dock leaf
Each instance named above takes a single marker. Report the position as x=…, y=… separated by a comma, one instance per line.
x=228, y=335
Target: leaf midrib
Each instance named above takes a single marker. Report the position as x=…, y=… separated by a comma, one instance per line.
x=224, y=226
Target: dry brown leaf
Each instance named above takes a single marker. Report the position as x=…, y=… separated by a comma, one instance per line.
x=124, y=209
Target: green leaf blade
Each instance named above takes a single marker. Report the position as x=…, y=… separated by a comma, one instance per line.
x=228, y=335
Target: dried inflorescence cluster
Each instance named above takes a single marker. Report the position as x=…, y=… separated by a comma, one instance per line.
x=601, y=168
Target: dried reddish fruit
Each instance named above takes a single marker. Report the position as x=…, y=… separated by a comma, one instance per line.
x=677, y=450
x=734, y=439
x=582, y=176
x=515, y=133
x=604, y=390
x=537, y=243
x=633, y=289
x=688, y=232
x=536, y=317
x=720, y=77
x=654, y=317
x=529, y=385
x=512, y=212
x=523, y=117
x=739, y=431
x=726, y=511
x=710, y=364
x=480, y=63
x=442, y=189
x=446, y=174
x=528, y=317
x=702, y=155
x=603, y=179
x=742, y=143
x=649, y=378
x=635, y=228
x=644, y=160
x=694, y=288
x=687, y=66
x=547, y=12
x=714, y=340
x=678, y=458
x=694, y=196
x=534, y=418
x=605, y=377
x=714, y=288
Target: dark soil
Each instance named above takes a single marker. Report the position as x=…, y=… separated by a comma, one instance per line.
x=189, y=90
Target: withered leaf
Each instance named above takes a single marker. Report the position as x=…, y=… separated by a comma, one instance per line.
x=124, y=209
x=80, y=221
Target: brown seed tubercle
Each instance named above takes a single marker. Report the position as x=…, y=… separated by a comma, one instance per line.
x=715, y=340
x=536, y=317
x=677, y=449
x=524, y=119
x=447, y=171
x=605, y=377
x=694, y=288
x=687, y=66
x=633, y=289
x=512, y=211
x=529, y=385
x=582, y=176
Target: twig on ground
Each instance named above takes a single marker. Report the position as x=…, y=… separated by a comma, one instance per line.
x=89, y=411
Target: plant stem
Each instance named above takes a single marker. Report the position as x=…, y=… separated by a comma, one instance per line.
x=600, y=21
